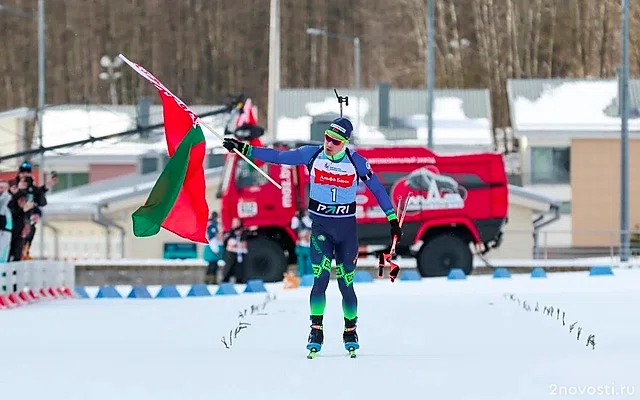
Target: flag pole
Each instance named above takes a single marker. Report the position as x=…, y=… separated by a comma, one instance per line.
x=276, y=184
x=148, y=76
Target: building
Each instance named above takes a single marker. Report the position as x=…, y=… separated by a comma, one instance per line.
x=569, y=132
x=106, y=181
x=93, y=221
x=14, y=125
x=140, y=153
x=462, y=118
x=85, y=217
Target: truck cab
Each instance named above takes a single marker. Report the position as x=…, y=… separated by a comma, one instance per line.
x=458, y=207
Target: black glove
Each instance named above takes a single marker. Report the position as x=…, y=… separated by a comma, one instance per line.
x=396, y=231
x=230, y=144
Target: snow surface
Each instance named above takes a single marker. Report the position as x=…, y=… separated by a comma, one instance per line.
x=64, y=126
x=450, y=125
x=570, y=106
x=434, y=339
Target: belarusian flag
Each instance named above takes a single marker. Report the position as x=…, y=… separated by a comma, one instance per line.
x=177, y=201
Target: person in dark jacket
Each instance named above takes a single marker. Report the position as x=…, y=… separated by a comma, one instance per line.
x=20, y=207
x=235, y=245
x=6, y=221
x=36, y=194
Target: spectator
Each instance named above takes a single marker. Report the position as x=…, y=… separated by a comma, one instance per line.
x=235, y=244
x=20, y=207
x=214, y=251
x=301, y=223
x=36, y=194
x=6, y=221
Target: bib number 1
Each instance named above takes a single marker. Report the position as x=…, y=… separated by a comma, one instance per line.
x=334, y=194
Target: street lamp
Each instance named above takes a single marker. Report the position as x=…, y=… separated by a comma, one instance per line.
x=41, y=88
x=356, y=63
x=111, y=75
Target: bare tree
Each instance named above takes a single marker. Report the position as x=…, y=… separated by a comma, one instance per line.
x=204, y=49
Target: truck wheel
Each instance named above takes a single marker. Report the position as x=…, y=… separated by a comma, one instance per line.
x=442, y=253
x=265, y=260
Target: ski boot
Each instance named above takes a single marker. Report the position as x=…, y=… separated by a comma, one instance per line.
x=350, y=337
x=316, y=337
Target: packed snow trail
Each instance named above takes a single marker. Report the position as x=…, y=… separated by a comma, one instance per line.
x=431, y=339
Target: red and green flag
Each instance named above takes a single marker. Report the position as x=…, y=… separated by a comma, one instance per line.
x=177, y=201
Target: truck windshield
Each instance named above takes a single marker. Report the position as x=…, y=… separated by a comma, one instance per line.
x=247, y=176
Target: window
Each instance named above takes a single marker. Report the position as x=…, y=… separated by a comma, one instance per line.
x=214, y=160
x=550, y=164
x=565, y=207
x=247, y=176
x=69, y=180
x=149, y=164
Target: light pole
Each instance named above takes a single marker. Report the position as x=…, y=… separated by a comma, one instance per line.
x=111, y=75
x=430, y=69
x=41, y=104
x=41, y=90
x=624, y=139
x=356, y=64
x=274, y=67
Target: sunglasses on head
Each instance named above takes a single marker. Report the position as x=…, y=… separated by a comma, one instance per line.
x=333, y=140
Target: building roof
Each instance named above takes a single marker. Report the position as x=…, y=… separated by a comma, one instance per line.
x=462, y=117
x=74, y=122
x=473, y=103
x=87, y=199
x=22, y=112
x=531, y=199
x=570, y=104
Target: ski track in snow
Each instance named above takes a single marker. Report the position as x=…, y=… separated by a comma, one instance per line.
x=431, y=339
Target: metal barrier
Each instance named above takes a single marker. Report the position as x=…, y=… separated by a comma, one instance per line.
x=26, y=282
x=555, y=244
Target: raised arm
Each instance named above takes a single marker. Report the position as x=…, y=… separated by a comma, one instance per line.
x=299, y=156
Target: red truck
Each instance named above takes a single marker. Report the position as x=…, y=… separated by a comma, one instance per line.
x=458, y=207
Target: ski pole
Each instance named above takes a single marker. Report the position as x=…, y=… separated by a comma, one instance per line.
x=403, y=213
x=394, y=268
x=382, y=257
x=387, y=257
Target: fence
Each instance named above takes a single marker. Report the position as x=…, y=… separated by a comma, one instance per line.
x=564, y=244
x=25, y=282
x=78, y=246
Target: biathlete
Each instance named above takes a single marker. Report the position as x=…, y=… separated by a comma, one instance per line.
x=334, y=172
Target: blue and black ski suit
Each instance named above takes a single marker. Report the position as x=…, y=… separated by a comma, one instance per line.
x=332, y=208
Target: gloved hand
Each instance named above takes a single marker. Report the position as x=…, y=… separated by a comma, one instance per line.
x=230, y=144
x=396, y=231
